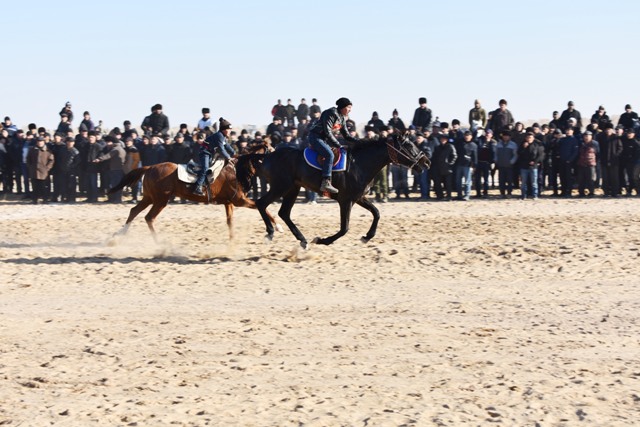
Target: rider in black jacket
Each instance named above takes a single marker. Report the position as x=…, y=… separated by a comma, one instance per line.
x=321, y=138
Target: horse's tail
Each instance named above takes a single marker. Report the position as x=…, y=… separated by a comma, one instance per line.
x=247, y=167
x=130, y=179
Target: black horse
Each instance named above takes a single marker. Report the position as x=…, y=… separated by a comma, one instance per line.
x=286, y=171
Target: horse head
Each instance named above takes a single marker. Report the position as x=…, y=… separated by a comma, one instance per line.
x=402, y=151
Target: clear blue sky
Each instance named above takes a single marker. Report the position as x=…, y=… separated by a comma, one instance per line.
x=118, y=58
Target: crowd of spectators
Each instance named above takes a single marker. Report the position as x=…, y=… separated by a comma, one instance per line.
x=491, y=151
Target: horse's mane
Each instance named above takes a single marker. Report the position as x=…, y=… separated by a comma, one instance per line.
x=263, y=147
x=363, y=144
x=246, y=169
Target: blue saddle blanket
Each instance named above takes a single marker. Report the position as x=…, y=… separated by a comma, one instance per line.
x=340, y=164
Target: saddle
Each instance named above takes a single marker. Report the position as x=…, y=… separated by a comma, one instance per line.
x=315, y=160
x=189, y=172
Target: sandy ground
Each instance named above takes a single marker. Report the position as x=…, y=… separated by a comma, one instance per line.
x=478, y=313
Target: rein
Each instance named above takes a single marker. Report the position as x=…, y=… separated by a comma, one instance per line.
x=393, y=155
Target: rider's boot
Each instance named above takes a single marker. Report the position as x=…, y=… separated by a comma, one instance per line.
x=198, y=190
x=327, y=187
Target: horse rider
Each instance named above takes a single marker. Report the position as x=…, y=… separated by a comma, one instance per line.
x=321, y=138
x=215, y=144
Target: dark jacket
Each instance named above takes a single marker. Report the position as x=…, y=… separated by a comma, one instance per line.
x=152, y=154
x=87, y=124
x=290, y=111
x=57, y=150
x=302, y=112
x=630, y=151
x=397, y=124
x=179, y=153
x=444, y=157
x=93, y=152
x=331, y=120
x=566, y=115
x=601, y=119
x=467, y=153
x=377, y=124
x=158, y=123
x=64, y=128
x=500, y=120
x=314, y=109
x=531, y=153
x=610, y=150
x=568, y=149
x=217, y=143
x=505, y=155
x=628, y=120
x=428, y=146
x=422, y=118
x=485, y=150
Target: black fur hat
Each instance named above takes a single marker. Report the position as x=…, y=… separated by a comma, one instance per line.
x=343, y=102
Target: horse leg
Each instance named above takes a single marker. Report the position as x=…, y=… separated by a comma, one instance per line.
x=345, y=213
x=288, y=200
x=228, y=208
x=366, y=203
x=134, y=212
x=245, y=202
x=262, y=204
x=152, y=214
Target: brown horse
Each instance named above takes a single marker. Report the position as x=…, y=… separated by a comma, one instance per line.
x=161, y=184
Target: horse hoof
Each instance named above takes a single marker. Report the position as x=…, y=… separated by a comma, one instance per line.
x=315, y=240
x=364, y=239
x=268, y=238
x=303, y=244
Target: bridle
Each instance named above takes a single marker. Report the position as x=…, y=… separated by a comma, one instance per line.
x=393, y=154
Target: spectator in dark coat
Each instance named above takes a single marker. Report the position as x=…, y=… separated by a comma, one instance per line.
x=275, y=126
x=115, y=158
x=586, y=165
x=93, y=151
x=568, y=153
x=501, y=118
x=486, y=147
x=39, y=162
x=530, y=154
x=290, y=114
x=396, y=122
x=302, y=112
x=68, y=161
x=629, y=119
x=444, y=159
x=5, y=177
x=467, y=153
x=64, y=126
x=180, y=151
x=601, y=117
x=67, y=110
x=153, y=153
x=422, y=116
x=375, y=122
x=569, y=113
x=630, y=161
x=610, y=151
x=314, y=108
x=157, y=122
x=57, y=148
x=86, y=122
